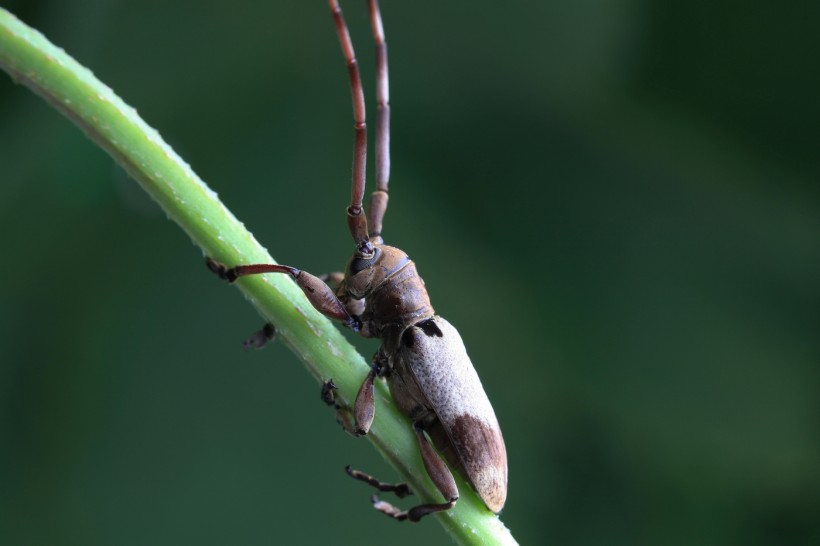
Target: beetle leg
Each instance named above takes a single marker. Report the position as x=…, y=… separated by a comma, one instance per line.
x=438, y=472
x=354, y=307
x=261, y=337
x=400, y=489
x=364, y=409
x=317, y=292
x=329, y=393
x=344, y=419
x=414, y=514
x=342, y=414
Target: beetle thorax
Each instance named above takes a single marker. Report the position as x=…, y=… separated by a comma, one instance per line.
x=393, y=291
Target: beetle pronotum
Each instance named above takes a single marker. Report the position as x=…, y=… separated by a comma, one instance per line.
x=422, y=356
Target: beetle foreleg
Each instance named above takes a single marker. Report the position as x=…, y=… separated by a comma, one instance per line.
x=317, y=292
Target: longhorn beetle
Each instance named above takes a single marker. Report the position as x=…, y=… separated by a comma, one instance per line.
x=422, y=356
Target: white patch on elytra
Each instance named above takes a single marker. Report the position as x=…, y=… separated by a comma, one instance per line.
x=436, y=357
x=446, y=375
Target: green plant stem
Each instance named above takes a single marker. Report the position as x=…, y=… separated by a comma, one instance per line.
x=47, y=70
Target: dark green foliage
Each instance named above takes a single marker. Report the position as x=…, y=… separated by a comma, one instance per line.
x=615, y=203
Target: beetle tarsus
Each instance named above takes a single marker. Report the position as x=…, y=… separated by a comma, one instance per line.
x=401, y=489
x=220, y=270
x=414, y=514
x=261, y=337
x=418, y=512
x=328, y=392
x=388, y=509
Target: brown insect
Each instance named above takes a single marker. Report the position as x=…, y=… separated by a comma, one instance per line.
x=422, y=356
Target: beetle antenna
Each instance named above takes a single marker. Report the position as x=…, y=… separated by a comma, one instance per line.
x=378, y=199
x=356, y=220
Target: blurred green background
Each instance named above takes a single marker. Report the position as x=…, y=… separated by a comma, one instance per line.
x=615, y=202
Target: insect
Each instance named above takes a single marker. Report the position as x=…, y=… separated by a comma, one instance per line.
x=422, y=356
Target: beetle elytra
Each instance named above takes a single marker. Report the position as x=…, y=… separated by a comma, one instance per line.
x=422, y=356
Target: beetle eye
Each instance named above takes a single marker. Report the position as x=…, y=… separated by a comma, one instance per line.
x=360, y=264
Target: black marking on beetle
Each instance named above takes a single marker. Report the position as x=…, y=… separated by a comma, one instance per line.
x=269, y=330
x=408, y=339
x=430, y=328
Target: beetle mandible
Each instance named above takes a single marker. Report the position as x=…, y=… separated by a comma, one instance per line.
x=422, y=356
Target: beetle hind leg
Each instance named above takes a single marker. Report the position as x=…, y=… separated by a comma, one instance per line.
x=437, y=470
x=414, y=514
x=401, y=490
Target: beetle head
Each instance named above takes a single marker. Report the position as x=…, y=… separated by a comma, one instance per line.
x=366, y=273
